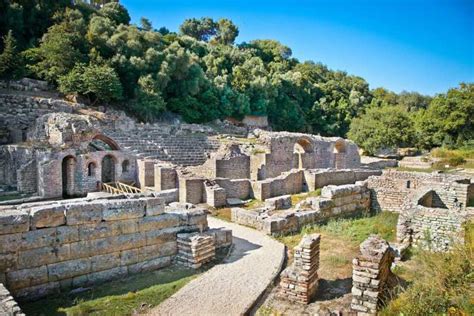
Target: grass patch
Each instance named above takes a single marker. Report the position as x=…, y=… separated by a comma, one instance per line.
x=222, y=213
x=340, y=241
x=464, y=152
x=122, y=297
x=441, y=284
x=252, y=204
x=296, y=198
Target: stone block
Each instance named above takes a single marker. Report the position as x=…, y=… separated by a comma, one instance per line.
x=105, y=262
x=150, y=265
x=120, y=210
x=14, y=221
x=26, y=278
x=68, y=269
x=37, y=291
x=154, y=206
x=47, y=216
x=78, y=214
x=158, y=222
x=278, y=203
x=9, y=243
x=106, y=275
x=41, y=256
x=8, y=261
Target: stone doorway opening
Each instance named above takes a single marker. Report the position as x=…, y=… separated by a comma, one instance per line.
x=108, y=169
x=68, y=166
x=301, y=148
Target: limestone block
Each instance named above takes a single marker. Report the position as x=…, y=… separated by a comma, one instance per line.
x=48, y=237
x=47, y=216
x=158, y=222
x=8, y=261
x=149, y=265
x=278, y=203
x=169, y=248
x=161, y=236
x=77, y=214
x=41, y=256
x=9, y=243
x=105, y=262
x=129, y=256
x=68, y=269
x=14, y=221
x=26, y=278
x=37, y=291
x=106, y=275
x=154, y=206
x=120, y=210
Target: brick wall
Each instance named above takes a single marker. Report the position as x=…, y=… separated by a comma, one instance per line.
x=49, y=247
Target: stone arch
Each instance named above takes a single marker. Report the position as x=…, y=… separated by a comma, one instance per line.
x=91, y=169
x=302, y=147
x=431, y=199
x=108, y=169
x=340, y=154
x=340, y=146
x=68, y=166
x=102, y=142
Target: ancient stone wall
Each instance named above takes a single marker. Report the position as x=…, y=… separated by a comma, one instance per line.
x=146, y=173
x=233, y=168
x=398, y=190
x=288, y=183
x=165, y=178
x=49, y=247
x=191, y=190
x=371, y=276
x=335, y=202
x=12, y=158
x=436, y=229
x=238, y=188
x=318, y=178
x=299, y=281
x=18, y=113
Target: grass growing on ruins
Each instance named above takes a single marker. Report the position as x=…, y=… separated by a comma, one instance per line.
x=296, y=198
x=439, y=284
x=340, y=241
x=135, y=294
x=222, y=213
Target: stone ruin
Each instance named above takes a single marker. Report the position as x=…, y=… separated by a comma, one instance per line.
x=372, y=278
x=298, y=282
x=135, y=187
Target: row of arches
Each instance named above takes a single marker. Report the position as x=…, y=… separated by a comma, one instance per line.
x=304, y=146
x=108, y=171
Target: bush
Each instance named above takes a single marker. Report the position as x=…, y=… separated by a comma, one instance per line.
x=443, y=285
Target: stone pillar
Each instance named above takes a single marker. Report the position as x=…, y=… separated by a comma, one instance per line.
x=146, y=173
x=299, y=281
x=195, y=249
x=371, y=275
x=165, y=178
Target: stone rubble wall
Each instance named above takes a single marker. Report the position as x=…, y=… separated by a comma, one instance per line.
x=12, y=158
x=432, y=228
x=335, y=202
x=398, y=190
x=318, y=178
x=50, y=247
x=371, y=276
x=195, y=249
x=299, y=282
x=287, y=183
x=8, y=305
x=27, y=84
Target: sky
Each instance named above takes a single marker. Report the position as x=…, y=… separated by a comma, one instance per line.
x=412, y=45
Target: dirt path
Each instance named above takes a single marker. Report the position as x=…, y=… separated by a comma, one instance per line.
x=232, y=287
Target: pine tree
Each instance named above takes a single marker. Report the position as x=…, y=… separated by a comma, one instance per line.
x=11, y=63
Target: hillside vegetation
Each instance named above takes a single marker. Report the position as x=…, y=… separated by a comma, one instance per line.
x=93, y=51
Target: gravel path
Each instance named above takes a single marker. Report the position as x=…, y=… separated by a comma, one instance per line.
x=231, y=287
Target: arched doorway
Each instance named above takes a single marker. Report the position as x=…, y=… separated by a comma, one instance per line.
x=339, y=154
x=67, y=172
x=301, y=148
x=101, y=142
x=108, y=169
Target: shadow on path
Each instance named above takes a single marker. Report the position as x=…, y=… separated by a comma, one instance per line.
x=242, y=247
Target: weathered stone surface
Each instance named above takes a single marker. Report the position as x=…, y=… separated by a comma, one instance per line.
x=41, y=256
x=149, y=265
x=26, y=278
x=48, y=216
x=120, y=210
x=158, y=222
x=68, y=269
x=14, y=221
x=104, y=262
x=154, y=206
x=77, y=214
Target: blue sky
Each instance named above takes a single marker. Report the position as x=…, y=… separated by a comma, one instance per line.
x=418, y=45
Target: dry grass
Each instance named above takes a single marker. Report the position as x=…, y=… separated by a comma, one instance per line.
x=296, y=198
x=222, y=213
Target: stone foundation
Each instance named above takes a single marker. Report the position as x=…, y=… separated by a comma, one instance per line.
x=195, y=249
x=299, y=281
x=371, y=276
x=49, y=247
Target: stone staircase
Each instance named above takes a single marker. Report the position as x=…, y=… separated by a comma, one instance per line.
x=167, y=144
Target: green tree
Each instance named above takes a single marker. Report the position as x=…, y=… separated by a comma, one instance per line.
x=146, y=24
x=116, y=12
x=227, y=32
x=383, y=127
x=201, y=29
x=11, y=62
x=97, y=82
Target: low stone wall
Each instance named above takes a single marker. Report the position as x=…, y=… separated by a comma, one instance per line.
x=299, y=281
x=335, y=202
x=49, y=247
x=432, y=228
x=318, y=178
x=288, y=183
x=371, y=276
x=8, y=305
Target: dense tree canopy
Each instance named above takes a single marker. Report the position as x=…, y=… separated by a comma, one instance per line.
x=91, y=49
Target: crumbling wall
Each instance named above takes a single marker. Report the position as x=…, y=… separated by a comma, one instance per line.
x=48, y=247
x=398, y=190
x=291, y=182
x=299, y=281
x=12, y=158
x=8, y=305
x=165, y=178
x=318, y=178
x=432, y=228
x=335, y=202
x=371, y=276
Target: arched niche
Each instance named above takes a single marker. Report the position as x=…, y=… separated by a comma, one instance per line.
x=101, y=142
